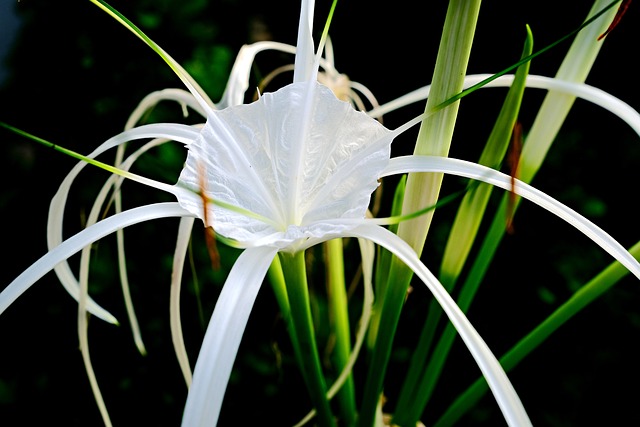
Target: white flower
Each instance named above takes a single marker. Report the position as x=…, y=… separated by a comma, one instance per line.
x=291, y=170
x=298, y=158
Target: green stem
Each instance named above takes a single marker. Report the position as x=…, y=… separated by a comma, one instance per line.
x=294, y=269
x=418, y=386
x=383, y=266
x=339, y=313
x=276, y=278
x=399, y=278
x=434, y=138
x=436, y=130
x=575, y=67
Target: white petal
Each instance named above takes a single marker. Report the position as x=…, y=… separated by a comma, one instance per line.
x=238, y=82
x=493, y=177
x=223, y=337
x=262, y=158
x=96, y=210
x=181, y=133
x=507, y=399
x=87, y=236
x=184, y=235
x=184, y=98
x=580, y=90
x=304, y=66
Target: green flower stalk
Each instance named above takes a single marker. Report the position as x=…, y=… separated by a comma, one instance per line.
x=422, y=377
x=434, y=138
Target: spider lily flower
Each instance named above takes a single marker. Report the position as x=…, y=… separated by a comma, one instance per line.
x=289, y=171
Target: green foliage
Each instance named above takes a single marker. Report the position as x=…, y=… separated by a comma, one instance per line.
x=77, y=86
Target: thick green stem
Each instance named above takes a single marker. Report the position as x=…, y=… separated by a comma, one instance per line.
x=434, y=138
x=394, y=299
x=555, y=108
x=294, y=269
x=338, y=310
x=422, y=377
x=383, y=266
x=552, y=114
x=276, y=278
x=436, y=131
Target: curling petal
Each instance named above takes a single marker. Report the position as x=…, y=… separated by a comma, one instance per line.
x=181, y=133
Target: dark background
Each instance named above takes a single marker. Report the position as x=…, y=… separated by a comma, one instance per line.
x=73, y=75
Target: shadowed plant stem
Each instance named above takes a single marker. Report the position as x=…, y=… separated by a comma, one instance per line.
x=553, y=112
x=339, y=313
x=276, y=278
x=434, y=138
x=424, y=372
x=295, y=274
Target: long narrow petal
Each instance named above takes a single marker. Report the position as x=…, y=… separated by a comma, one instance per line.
x=475, y=171
x=506, y=396
x=223, y=336
x=86, y=237
x=184, y=233
x=580, y=90
x=69, y=282
x=83, y=338
x=238, y=82
x=584, y=91
x=182, y=97
x=304, y=70
x=181, y=133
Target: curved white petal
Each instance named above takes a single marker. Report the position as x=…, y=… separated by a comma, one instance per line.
x=238, y=82
x=262, y=158
x=180, y=133
x=223, y=336
x=96, y=209
x=493, y=177
x=182, y=97
x=584, y=91
x=184, y=234
x=507, y=398
x=580, y=90
x=86, y=237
